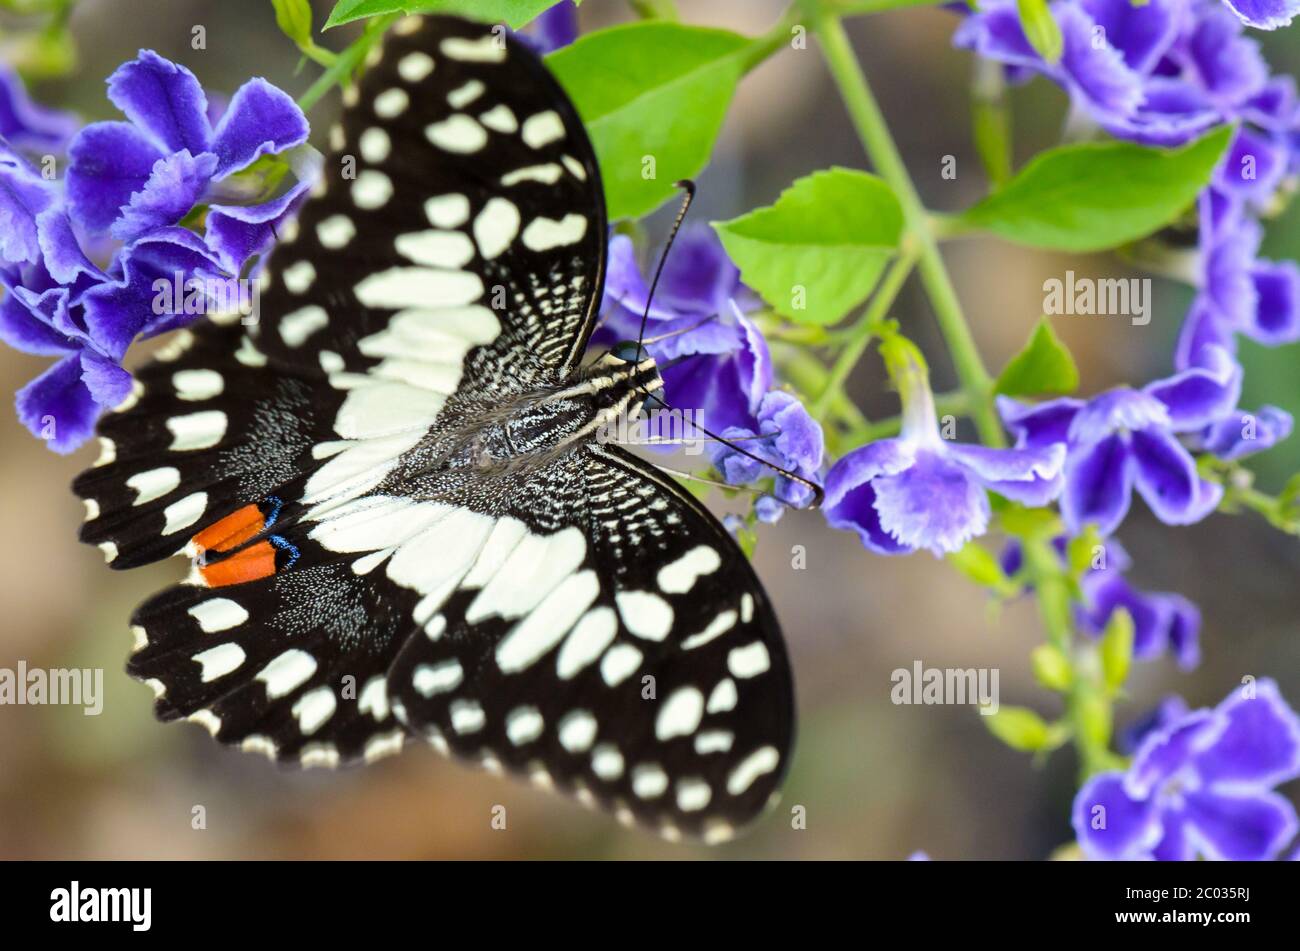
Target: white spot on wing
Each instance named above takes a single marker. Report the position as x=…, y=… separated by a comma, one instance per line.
x=679, y=576
x=431, y=679
x=296, y=326
x=447, y=211
x=371, y=190
x=336, y=231
x=217, y=614
x=153, y=483
x=758, y=763
x=484, y=49
x=587, y=641
x=644, y=614
x=543, y=129
x=314, y=708
x=391, y=103
x=577, y=731
x=496, y=227
x=749, y=661
x=195, y=385
x=414, y=67
x=197, y=430
x=546, y=625
x=543, y=234
x=436, y=248
x=457, y=133
x=287, y=672
x=184, y=513
x=219, y=661
x=619, y=663
x=680, y=714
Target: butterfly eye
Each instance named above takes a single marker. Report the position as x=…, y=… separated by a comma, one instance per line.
x=629, y=351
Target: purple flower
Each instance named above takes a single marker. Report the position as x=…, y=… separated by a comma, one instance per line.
x=789, y=438
x=1241, y=434
x=1161, y=621
x=1126, y=439
x=553, y=30
x=1240, y=292
x=132, y=182
x=24, y=195
x=27, y=125
x=918, y=491
x=1163, y=715
x=1200, y=786
x=1160, y=73
x=713, y=359
x=1265, y=14
x=128, y=178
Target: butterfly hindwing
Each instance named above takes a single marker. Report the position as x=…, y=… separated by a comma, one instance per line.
x=622, y=651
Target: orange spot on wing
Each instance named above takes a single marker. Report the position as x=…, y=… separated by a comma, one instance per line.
x=233, y=530
x=255, y=561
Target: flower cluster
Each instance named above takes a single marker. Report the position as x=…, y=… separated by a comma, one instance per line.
x=1201, y=783
x=82, y=260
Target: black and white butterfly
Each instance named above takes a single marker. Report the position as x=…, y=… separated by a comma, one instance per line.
x=401, y=518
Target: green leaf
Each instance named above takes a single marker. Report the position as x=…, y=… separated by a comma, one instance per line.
x=1097, y=195
x=818, y=251
x=1040, y=28
x=1043, y=368
x=515, y=14
x=653, y=96
x=1117, y=648
x=1019, y=728
x=293, y=17
x=1052, y=667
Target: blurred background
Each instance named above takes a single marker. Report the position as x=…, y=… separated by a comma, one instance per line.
x=876, y=780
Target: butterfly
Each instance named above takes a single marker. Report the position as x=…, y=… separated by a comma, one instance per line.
x=401, y=518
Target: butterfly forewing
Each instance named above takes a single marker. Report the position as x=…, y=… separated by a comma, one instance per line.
x=573, y=616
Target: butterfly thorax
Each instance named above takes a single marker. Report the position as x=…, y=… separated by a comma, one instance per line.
x=534, y=426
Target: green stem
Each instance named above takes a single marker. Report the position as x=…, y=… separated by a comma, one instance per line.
x=861, y=333
x=347, y=61
x=761, y=47
x=880, y=147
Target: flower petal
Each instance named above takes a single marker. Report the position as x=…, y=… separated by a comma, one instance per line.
x=1265, y=14
x=1094, y=71
x=1165, y=475
x=1166, y=753
x=57, y=407
x=1277, y=303
x=1030, y=476
x=1229, y=66
x=935, y=503
x=698, y=276
x=165, y=100
x=238, y=232
x=1246, y=828
x=261, y=119
x=1260, y=747
x=175, y=185
x=1201, y=328
x=1253, y=166
x=23, y=196
x=26, y=124
x=107, y=382
x=1098, y=485
x=850, y=502
x=1142, y=34
x=25, y=331
x=62, y=254
x=1242, y=434
x=108, y=162
x=1110, y=824
x=1038, y=424
x=1201, y=394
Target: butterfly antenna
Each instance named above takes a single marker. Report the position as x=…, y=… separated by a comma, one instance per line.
x=818, y=492
x=687, y=186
